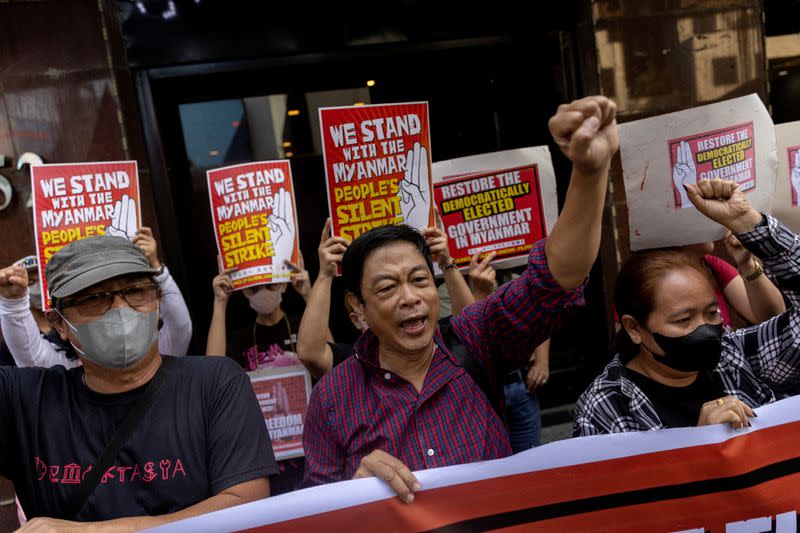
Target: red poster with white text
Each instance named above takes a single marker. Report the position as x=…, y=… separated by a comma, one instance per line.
x=283, y=398
x=727, y=154
x=72, y=201
x=499, y=211
x=377, y=166
x=255, y=221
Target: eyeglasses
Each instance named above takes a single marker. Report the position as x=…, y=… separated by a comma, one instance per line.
x=98, y=303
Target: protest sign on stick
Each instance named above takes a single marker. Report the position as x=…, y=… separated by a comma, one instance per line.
x=786, y=204
x=499, y=202
x=731, y=140
x=72, y=201
x=377, y=166
x=255, y=221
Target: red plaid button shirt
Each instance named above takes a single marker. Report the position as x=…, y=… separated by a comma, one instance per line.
x=359, y=407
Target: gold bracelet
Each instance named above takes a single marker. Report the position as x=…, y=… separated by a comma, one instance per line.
x=755, y=274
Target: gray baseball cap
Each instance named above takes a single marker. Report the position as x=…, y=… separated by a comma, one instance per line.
x=88, y=261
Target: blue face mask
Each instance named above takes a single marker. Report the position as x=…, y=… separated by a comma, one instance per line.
x=118, y=339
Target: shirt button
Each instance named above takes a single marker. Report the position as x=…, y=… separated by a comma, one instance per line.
x=430, y=452
x=387, y=376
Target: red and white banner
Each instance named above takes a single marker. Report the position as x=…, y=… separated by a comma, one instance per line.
x=72, y=201
x=710, y=478
x=255, y=221
x=377, y=166
x=283, y=397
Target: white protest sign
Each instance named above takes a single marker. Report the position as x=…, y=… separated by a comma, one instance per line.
x=486, y=237
x=787, y=188
x=732, y=140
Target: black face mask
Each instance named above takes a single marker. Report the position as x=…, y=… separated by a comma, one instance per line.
x=698, y=351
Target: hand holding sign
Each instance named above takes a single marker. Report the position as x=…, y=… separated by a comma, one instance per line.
x=685, y=171
x=415, y=197
x=301, y=281
x=586, y=131
x=724, y=203
x=437, y=241
x=281, y=223
x=331, y=250
x=123, y=221
x=796, y=175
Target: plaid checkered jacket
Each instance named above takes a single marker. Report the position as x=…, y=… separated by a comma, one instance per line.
x=759, y=364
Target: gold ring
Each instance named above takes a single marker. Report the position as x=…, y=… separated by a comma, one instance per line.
x=720, y=402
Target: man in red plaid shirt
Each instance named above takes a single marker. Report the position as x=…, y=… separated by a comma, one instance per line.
x=403, y=402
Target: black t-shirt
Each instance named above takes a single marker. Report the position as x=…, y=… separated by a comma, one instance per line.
x=256, y=342
x=6, y=359
x=204, y=433
x=677, y=406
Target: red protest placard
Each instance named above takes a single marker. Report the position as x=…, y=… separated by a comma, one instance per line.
x=726, y=154
x=793, y=153
x=499, y=211
x=255, y=221
x=377, y=166
x=76, y=200
x=284, y=399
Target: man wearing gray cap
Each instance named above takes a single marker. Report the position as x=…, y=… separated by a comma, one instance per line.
x=132, y=438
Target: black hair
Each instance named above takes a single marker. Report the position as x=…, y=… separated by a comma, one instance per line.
x=635, y=289
x=360, y=249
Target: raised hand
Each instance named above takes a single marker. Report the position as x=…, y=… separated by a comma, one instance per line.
x=223, y=286
x=724, y=203
x=331, y=250
x=796, y=177
x=685, y=171
x=437, y=241
x=123, y=221
x=300, y=278
x=281, y=223
x=414, y=189
x=586, y=131
x=482, y=276
x=144, y=239
x=13, y=282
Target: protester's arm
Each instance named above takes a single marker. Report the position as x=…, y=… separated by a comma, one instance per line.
x=506, y=327
x=22, y=335
x=457, y=288
x=539, y=373
x=217, y=341
x=176, y=333
x=175, y=336
x=772, y=349
x=242, y=493
x=757, y=300
x=313, y=334
x=586, y=131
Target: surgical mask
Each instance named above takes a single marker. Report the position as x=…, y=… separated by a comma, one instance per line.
x=118, y=339
x=35, y=292
x=264, y=301
x=697, y=351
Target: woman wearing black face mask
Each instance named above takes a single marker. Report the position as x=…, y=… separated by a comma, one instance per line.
x=673, y=366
